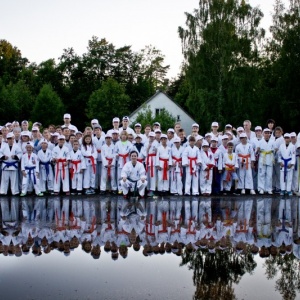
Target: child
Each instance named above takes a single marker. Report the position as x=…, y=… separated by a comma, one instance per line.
x=139, y=148
x=230, y=164
x=217, y=170
x=163, y=163
x=176, y=170
x=46, y=172
x=30, y=170
x=191, y=160
x=61, y=156
x=90, y=153
x=286, y=159
x=246, y=160
x=77, y=166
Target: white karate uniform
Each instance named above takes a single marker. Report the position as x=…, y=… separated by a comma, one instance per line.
x=122, y=150
x=176, y=170
x=141, y=154
x=190, y=158
x=77, y=163
x=90, y=154
x=286, y=156
x=296, y=172
x=46, y=171
x=30, y=164
x=150, y=165
x=108, y=158
x=98, y=142
x=61, y=171
x=163, y=160
x=265, y=164
x=229, y=165
x=276, y=167
x=245, y=155
x=133, y=174
x=206, y=176
x=10, y=168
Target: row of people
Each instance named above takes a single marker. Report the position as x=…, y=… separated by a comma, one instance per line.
x=200, y=165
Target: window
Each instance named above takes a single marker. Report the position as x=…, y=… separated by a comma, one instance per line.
x=157, y=111
x=178, y=118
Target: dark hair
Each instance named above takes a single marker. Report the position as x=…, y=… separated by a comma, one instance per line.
x=181, y=130
x=271, y=121
x=84, y=142
x=134, y=151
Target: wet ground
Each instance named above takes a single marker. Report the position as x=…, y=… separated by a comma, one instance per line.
x=165, y=248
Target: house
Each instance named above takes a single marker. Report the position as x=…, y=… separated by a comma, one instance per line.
x=161, y=100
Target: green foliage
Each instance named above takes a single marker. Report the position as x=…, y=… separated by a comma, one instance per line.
x=48, y=108
x=107, y=102
x=165, y=119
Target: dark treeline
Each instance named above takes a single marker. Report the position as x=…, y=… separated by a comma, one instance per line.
x=231, y=72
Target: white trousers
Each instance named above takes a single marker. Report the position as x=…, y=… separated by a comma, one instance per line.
x=265, y=178
x=60, y=180
x=286, y=183
x=104, y=178
x=77, y=181
x=176, y=182
x=11, y=176
x=162, y=185
x=191, y=181
x=128, y=185
x=205, y=184
x=28, y=180
x=89, y=177
x=46, y=182
x=245, y=178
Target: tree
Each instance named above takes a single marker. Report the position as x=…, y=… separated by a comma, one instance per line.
x=165, y=119
x=220, y=46
x=108, y=101
x=48, y=108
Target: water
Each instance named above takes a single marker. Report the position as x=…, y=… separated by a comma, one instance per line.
x=166, y=248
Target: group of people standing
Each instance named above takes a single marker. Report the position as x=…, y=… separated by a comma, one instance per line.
x=125, y=159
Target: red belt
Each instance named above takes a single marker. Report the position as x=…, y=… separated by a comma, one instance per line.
x=230, y=169
x=140, y=160
x=58, y=161
x=178, y=160
x=246, y=156
x=93, y=163
x=152, y=165
x=210, y=166
x=109, y=166
x=164, y=222
x=191, y=159
x=99, y=150
x=147, y=225
x=165, y=168
x=74, y=163
x=124, y=156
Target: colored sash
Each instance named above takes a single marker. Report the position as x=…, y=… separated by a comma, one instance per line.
x=265, y=153
x=165, y=168
x=230, y=169
x=30, y=169
x=245, y=156
x=73, y=170
x=285, y=167
x=124, y=156
x=191, y=159
x=10, y=164
x=60, y=161
x=210, y=166
x=109, y=167
x=150, y=161
x=46, y=164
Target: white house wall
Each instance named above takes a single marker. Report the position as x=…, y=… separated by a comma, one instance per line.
x=162, y=101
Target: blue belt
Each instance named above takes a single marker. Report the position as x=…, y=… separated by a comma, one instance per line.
x=30, y=169
x=285, y=160
x=10, y=164
x=46, y=164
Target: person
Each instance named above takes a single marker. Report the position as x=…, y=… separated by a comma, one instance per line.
x=215, y=133
x=247, y=127
x=278, y=133
x=138, y=146
x=30, y=170
x=108, y=157
x=151, y=149
x=206, y=172
x=122, y=150
x=46, y=172
x=286, y=159
x=217, y=170
x=191, y=159
x=138, y=131
x=35, y=138
x=10, y=156
x=125, y=126
x=230, y=165
x=266, y=150
x=60, y=157
x=170, y=135
x=176, y=170
x=163, y=164
x=115, y=124
x=67, y=121
x=271, y=124
x=295, y=182
x=133, y=176
x=90, y=154
x=246, y=160
x=77, y=165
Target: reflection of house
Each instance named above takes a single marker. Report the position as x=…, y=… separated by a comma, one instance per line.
x=159, y=101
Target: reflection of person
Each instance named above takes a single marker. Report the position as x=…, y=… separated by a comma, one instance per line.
x=133, y=176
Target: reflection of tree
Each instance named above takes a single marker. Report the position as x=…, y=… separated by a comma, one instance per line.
x=289, y=281
x=215, y=273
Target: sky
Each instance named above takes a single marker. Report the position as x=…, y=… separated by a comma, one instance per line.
x=42, y=29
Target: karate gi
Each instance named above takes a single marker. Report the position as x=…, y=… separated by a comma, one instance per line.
x=216, y=183
x=230, y=162
x=176, y=170
x=150, y=164
x=163, y=160
x=276, y=167
x=286, y=156
x=191, y=158
x=265, y=165
x=10, y=169
x=90, y=154
x=134, y=175
x=30, y=164
x=62, y=155
x=108, y=158
x=77, y=163
x=245, y=155
x=98, y=142
x=206, y=176
x=46, y=171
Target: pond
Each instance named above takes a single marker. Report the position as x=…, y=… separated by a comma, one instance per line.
x=244, y=247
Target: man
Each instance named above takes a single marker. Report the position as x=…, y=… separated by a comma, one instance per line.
x=67, y=121
x=138, y=131
x=125, y=126
x=247, y=126
x=133, y=176
x=116, y=125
